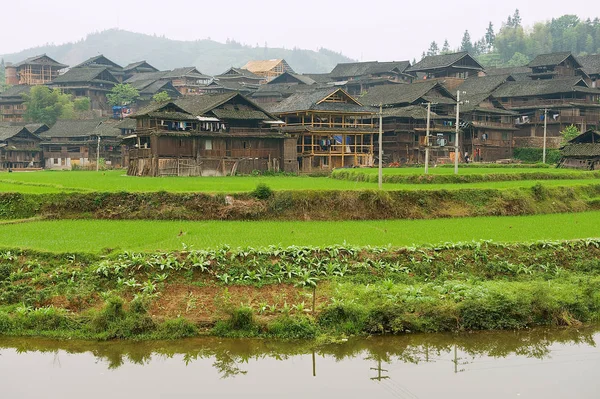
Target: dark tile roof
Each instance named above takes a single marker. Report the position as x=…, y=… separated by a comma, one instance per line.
x=8, y=130
x=483, y=84
x=411, y=111
x=15, y=91
x=542, y=87
x=238, y=71
x=590, y=63
x=143, y=64
x=551, y=59
x=320, y=77
x=354, y=69
x=164, y=75
x=35, y=61
x=581, y=150
x=301, y=79
x=508, y=70
x=72, y=128
x=191, y=106
x=307, y=101
x=283, y=89
x=439, y=61
x=400, y=93
x=99, y=61
x=84, y=75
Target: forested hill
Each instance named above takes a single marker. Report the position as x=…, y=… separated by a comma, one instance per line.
x=514, y=44
x=208, y=56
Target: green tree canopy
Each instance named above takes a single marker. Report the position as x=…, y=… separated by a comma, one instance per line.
x=433, y=49
x=161, y=97
x=122, y=94
x=466, y=44
x=45, y=105
x=569, y=133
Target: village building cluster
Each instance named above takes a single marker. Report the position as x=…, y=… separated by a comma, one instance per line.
x=264, y=116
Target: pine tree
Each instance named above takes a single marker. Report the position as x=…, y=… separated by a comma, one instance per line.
x=466, y=44
x=490, y=36
x=516, y=19
x=445, y=47
x=433, y=49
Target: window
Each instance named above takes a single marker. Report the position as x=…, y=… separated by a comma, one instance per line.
x=245, y=144
x=208, y=145
x=73, y=149
x=56, y=161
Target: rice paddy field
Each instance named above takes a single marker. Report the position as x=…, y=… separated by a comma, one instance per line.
x=118, y=181
x=97, y=235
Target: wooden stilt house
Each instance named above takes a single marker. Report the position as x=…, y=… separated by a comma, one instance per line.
x=333, y=129
x=208, y=135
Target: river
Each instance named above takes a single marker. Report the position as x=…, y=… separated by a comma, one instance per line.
x=539, y=363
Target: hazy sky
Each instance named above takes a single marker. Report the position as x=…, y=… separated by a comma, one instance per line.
x=364, y=30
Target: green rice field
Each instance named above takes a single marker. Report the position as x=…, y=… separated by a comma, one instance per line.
x=96, y=235
x=116, y=180
x=462, y=171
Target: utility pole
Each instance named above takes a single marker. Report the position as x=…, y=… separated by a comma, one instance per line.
x=427, y=139
x=98, y=155
x=380, y=180
x=456, y=153
x=545, y=129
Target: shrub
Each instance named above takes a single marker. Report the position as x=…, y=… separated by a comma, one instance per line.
x=177, y=328
x=6, y=323
x=535, y=155
x=262, y=192
x=288, y=327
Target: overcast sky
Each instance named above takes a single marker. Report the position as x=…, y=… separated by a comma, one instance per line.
x=364, y=30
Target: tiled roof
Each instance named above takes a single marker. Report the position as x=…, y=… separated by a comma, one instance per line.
x=590, y=63
x=551, y=59
x=439, y=61
x=35, y=60
x=84, y=75
x=354, y=69
x=542, y=87
x=305, y=101
x=399, y=93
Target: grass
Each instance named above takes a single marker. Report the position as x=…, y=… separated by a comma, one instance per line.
x=116, y=181
x=464, y=171
x=95, y=235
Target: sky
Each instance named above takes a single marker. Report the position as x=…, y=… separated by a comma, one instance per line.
x=382, y=30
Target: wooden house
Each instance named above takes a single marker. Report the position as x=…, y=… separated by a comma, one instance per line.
x=74, y=143
x=137, y=67
x=553, y=65
x=567, y=101
x=208, y=135
x=405, y=120
x=488, y=127
x=36, y=70
x=148, y=88
x=582, y=152
x=332, y=129
x=239, y=75
x=12, y=103
x=91, y=82
x=358, y=77
x=282, y=87
x=19, y=146
x=187, y=80
x=591, y=66
x=452, y=68
x=100, y=61
x=268, y=69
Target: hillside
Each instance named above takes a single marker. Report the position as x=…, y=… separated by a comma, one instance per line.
x=208, y=56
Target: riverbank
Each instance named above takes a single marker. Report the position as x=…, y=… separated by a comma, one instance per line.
x=299, y=292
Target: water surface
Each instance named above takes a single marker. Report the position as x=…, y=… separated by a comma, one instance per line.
x=559, y=363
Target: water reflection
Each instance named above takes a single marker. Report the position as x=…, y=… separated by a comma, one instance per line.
x=408, y=366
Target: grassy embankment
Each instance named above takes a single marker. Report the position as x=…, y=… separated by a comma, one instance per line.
x=409, y=179
x=300, y=292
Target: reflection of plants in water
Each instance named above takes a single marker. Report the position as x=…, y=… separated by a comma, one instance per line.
x=229, y=354
x=227, y=365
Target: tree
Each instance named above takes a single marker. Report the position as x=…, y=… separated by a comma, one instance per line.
x=161, y=97
x=569, y=133
x=517, y=60
x=516, y=19
x=433, y=49
x=122, y=94
x=45, y=105
x=445, y=47
x=466, y=44
x=81, y=104
x=490, y=36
